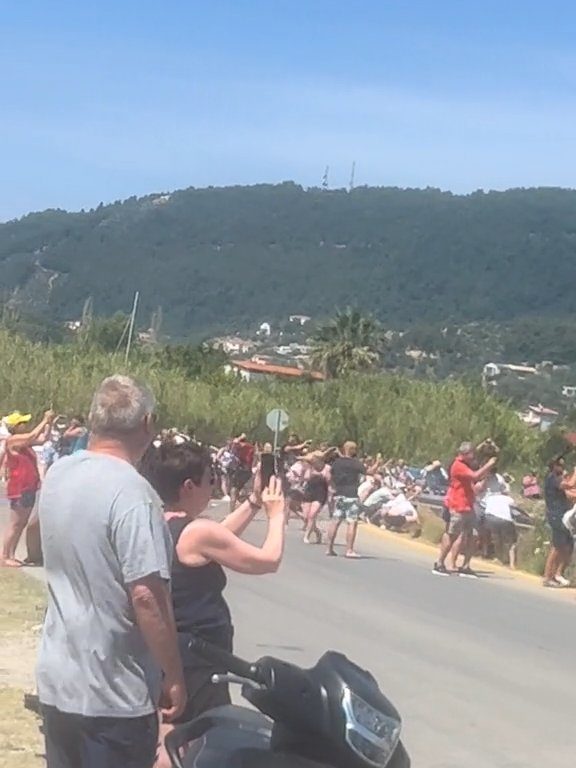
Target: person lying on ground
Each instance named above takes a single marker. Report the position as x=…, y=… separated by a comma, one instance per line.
x=399, y=513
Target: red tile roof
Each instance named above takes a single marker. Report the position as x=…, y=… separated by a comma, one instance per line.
x=277, y=370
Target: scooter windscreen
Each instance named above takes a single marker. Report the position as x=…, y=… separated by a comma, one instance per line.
x=369, y=723
x=333, y=714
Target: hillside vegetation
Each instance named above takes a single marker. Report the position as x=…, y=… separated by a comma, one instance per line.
x=225, y=258
x=414, y=419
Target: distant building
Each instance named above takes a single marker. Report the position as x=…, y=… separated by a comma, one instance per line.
x=300, y=319
x=255, y=370
x=233, y=345
x=494, y=371
x=569, y=391
x=265, y=329
x=161, y=199
x=292, y=349
x=539, y=417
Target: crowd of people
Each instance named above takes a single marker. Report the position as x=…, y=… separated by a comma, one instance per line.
x=143, y=570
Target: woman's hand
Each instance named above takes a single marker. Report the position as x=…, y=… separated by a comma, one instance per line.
x=256, y=495
x=273, y=498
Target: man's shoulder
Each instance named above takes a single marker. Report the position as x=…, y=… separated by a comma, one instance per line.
x=459, y=468
x=114, y=476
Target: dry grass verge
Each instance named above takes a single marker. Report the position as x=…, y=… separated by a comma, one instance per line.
x=21, y=611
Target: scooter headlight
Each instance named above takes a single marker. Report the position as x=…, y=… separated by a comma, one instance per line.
x=371, y=734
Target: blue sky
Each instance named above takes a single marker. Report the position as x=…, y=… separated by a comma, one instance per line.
x=103, y=100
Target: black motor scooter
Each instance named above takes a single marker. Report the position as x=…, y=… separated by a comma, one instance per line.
x=330, y=716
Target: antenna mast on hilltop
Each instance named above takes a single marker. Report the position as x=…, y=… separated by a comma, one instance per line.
x=352, y=173
x=325, y=178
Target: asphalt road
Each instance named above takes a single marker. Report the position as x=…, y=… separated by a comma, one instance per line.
x=482, y=671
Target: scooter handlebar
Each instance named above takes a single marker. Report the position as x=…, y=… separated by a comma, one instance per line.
x=227, y=661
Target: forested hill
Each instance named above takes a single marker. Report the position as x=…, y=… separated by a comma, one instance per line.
x=232, y=256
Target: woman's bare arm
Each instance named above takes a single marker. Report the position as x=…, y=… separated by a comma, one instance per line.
x=210, y=541
x=207, y=540
x=28, y=439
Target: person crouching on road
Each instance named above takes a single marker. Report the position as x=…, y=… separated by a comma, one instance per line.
x=460, y=498
x=183, y=477
x=23, y=485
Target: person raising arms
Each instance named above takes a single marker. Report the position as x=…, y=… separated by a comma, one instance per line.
x=347, y=473
x=23, y=477
x=183, y=476
x=459, y=536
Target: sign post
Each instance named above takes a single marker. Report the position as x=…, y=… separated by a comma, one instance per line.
x=277, y=420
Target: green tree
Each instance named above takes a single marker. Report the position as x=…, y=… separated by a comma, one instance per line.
x=350, y=343
x=106, y=333
x=194, y=362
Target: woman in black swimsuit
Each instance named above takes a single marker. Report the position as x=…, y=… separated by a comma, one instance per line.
x=183, y=477
x=315, y=496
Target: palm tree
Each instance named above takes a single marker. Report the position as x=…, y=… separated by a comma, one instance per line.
x=349, y=343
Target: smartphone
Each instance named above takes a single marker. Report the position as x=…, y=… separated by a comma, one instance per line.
x=267, y=468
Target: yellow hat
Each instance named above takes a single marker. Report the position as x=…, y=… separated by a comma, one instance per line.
x=15, y=418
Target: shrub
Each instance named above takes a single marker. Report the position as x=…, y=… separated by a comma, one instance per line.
x=417, y=420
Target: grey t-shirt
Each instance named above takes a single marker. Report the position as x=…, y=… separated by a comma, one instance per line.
x=102, y=528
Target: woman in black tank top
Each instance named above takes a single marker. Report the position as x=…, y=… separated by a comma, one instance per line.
x=183, y=477
x=315, y=495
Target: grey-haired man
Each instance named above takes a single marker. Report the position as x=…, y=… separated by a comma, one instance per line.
x=459, y=501
x=109, y=652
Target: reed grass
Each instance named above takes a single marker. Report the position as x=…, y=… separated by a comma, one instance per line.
x=414, y=420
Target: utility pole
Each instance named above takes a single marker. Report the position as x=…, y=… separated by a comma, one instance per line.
x=351, y=187
x=131, y=327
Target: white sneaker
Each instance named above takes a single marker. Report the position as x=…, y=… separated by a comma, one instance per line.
x=562, y=581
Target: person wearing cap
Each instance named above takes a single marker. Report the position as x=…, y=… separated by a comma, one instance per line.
x=460, y=504
x=23, y=480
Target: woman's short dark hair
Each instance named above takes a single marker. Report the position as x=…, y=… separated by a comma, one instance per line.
x=169, y=465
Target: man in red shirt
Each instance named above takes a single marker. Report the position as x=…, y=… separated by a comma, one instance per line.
x=460, y=504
